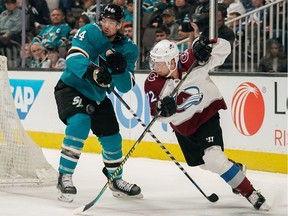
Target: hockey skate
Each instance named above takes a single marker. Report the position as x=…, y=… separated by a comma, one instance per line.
x=66, y=189
x=121, y=188
x=258, y=201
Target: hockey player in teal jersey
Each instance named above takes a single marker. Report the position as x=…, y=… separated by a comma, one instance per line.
x=82, y=102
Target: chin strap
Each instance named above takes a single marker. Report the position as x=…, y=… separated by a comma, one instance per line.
x=169, y=66
x=171, y=71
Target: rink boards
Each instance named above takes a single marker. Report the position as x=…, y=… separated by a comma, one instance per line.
x=254, y=125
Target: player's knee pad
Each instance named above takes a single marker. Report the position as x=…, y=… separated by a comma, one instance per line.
x=76, y=132
x=112, y=143
x=215, y=160
x=78, y=126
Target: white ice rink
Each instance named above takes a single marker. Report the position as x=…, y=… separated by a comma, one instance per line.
x=167, y=191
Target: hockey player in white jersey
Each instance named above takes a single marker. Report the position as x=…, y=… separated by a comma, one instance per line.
x=193, y=111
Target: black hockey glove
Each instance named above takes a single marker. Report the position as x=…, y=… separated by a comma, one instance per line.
x=168, y=106
x=202, y=50
x=116, y=62
x=100, y=75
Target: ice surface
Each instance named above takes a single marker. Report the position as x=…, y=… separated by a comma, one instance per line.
x=167, y=191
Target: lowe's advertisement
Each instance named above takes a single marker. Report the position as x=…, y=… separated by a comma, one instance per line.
x=254, y=125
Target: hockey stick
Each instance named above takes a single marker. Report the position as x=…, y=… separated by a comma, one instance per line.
x=213, y=197
x=92, y=203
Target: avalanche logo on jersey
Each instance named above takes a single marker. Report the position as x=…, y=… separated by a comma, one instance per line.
x=24, y=93
x=188, y=97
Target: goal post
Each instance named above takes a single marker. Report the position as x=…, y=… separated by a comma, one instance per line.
x=22, y=161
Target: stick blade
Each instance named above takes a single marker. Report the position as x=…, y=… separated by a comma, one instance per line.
x=79, y=210
x=213, y=198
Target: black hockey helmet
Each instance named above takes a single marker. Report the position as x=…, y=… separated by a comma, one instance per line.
x=112, y=11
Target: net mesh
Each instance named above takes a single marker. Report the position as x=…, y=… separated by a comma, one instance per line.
x=22, y=161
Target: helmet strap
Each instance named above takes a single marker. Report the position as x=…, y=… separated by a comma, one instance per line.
x=169, y=66
x=171, y=71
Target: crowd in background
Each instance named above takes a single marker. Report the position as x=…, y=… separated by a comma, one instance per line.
x=49, y=32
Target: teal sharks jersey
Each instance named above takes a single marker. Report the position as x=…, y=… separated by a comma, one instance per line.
x=87, y=44
x=53, y=35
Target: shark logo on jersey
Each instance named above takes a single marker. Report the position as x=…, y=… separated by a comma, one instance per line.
x=188, y=97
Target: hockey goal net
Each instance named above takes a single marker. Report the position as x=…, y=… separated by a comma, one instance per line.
x=22, y=162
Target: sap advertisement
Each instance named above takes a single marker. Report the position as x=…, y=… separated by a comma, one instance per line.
x=256, y=118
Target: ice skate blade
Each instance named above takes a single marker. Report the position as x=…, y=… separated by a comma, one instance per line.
x=123, y=195
x=264, y=207
x=65, y=197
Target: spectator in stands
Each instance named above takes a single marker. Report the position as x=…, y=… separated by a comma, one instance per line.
x=10, y=24
x=239, y=27
x=54, y=61
x=258, y=18
x=247, y=4
x=182, y=9
x=275, y=59
x=121, y=3
x=169, y=20
x=148, y=6
x=90, y=8
x=226, y=33
x=128, y=12
x=223, y=31
x=128, y=30
x=203, y=7
x=10, y=32
x=239, y=30
x=66, y=6
x=232, y=16
x=234, y=6
x=256, y=21
x=55, y=34
x=37, y=16
x=82, y=21
x=28, y=56
x=39, y=55
x=183, y=33
x=155, y=19
x=162, y=33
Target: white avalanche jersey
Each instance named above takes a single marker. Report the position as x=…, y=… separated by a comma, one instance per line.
x=198, y=98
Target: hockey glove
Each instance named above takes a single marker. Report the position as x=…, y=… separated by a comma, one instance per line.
x=116, y=62
x=100, y=75
x=202, y=50
x=168, y=106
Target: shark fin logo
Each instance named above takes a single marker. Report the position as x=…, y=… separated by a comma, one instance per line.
x=24, y=93
x=248, y=109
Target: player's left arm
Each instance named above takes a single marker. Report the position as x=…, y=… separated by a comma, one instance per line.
x=211, y=53
x=125, y=81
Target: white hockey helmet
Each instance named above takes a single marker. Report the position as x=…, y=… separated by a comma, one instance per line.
x=164, y=51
